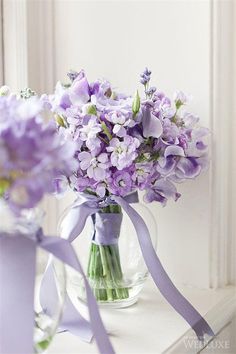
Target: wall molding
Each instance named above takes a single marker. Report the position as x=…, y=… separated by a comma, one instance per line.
x=15, y=43
x=221, y=237
x=28, y=33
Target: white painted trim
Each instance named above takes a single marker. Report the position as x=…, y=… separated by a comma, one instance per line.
x=219, y=317
x=29, y=57
x=1, y=45
x=40, y=21
x=221, y=124
x=15, y=44
x=233, y=163
x=40, y=16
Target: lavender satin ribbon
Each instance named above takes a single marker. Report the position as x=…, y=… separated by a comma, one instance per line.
x=17, y=274
x=87, y=205
x=107, y=228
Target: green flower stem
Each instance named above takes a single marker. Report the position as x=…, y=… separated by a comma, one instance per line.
x=104, y=268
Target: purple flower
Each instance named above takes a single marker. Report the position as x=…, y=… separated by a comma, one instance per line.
x=124, y=152
x=121, y=121
x=79, y=91
x=161, y=191
x=152, y=126
x=145, y=76
x=143, y=174
x=89, y=131
x=95, y=166
x=120, y=183
x=72, y=75
x=186, y=168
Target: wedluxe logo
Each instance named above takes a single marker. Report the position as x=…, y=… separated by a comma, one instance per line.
x=216, y=344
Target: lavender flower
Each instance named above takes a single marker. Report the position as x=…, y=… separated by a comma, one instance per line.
x=145, y=76
x=72, y=75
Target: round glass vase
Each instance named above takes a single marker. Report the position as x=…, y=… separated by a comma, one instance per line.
x=27, y=224
x=109, y=250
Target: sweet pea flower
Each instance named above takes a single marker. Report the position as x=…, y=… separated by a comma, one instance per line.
x=79, y=91
x=152, y=126
x=161, y=191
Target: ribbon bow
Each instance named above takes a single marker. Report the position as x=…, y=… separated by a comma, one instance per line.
x=87, y=205
x=17, y=279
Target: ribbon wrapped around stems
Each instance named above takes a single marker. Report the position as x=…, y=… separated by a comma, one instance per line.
x=87, y=205
x=17, y=279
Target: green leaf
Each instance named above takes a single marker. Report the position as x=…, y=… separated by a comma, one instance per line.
x=136, y=103
x=106, y=130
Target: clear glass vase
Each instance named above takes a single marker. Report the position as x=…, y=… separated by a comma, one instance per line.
x=109, y=249
x=27, y=224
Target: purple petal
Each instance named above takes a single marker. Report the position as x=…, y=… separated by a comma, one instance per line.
x=174, y=150
x=151, y=125
x=79, y=91
x=188, y=168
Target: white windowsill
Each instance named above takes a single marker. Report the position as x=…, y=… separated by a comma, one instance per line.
x=152, y=326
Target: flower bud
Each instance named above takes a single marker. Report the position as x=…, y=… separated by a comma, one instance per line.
x=92, y=110
x=4, y=91
x=136, y=103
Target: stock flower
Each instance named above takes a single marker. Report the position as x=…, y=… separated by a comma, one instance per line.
x=121, y=183
x=89, y=131
x=95, y=166
x=123, y=153
x=120, y=121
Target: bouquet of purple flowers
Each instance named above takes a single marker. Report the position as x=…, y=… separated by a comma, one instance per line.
x=126, y=144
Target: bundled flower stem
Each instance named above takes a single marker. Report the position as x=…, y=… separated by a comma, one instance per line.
x=104, y=268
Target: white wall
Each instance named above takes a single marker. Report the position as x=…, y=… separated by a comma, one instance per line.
x=116, y=40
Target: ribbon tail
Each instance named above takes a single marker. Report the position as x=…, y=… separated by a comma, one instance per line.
x=161, y=278
x=63, y=250
x=73, y=223
x=72, y=320
x=17, y=274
